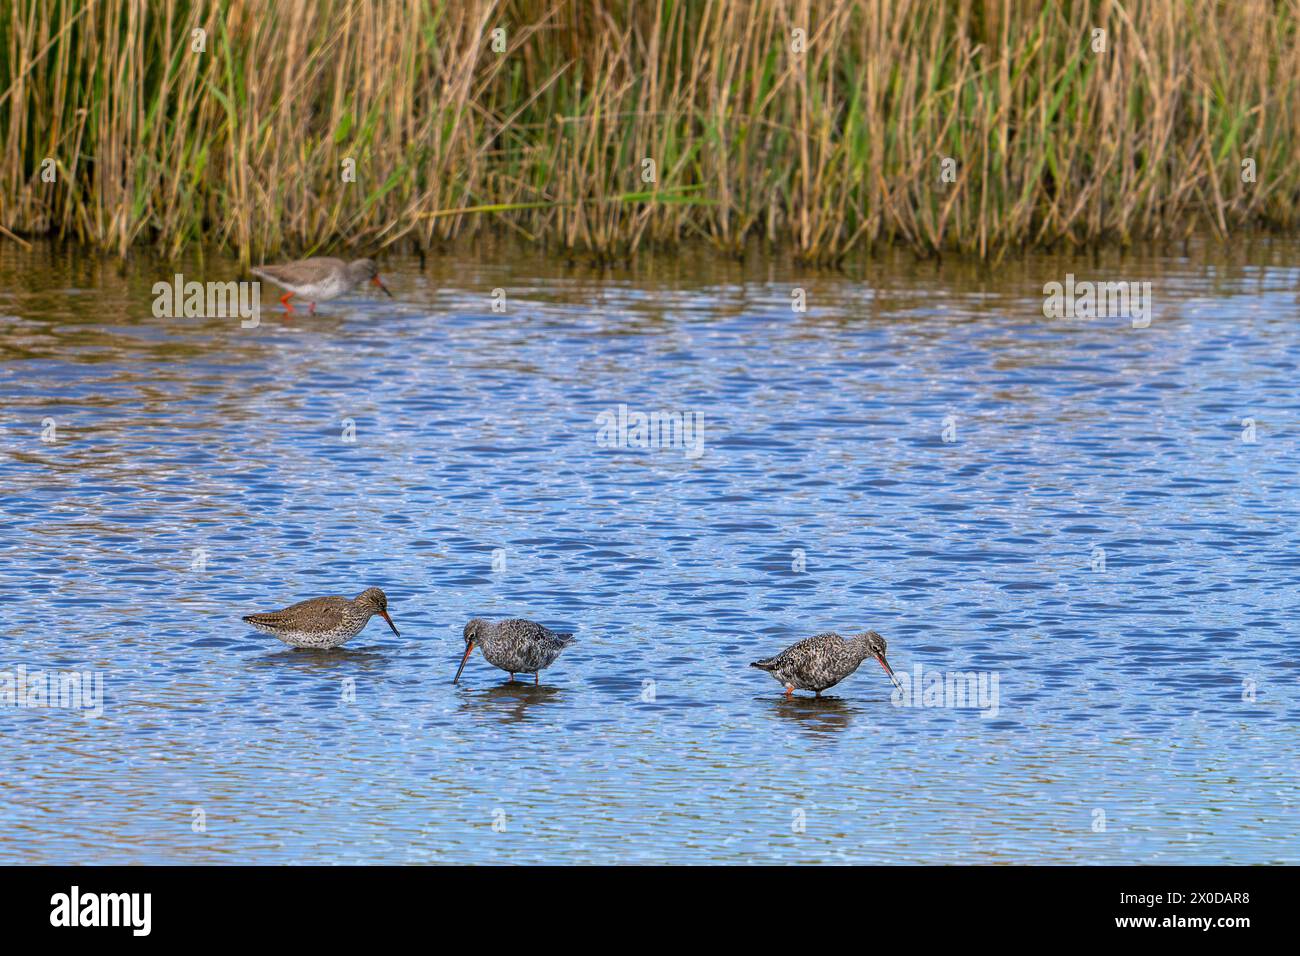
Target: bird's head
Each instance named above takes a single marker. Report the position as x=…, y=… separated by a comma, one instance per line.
x=473, y=635
x=367, y=269
x=875, y=646
x=376, y=602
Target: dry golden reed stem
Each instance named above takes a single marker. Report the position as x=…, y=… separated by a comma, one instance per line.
x=600, y=127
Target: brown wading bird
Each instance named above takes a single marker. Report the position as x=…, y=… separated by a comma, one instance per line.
x=817, y=663
x=324, y=622
x=320, y=279
x=517, y=646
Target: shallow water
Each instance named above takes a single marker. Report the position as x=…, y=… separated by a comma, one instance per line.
x=1146, y=709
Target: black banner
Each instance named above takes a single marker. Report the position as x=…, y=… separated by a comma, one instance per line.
x=336, y=905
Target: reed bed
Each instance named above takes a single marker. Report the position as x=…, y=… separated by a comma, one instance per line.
x=827, y=147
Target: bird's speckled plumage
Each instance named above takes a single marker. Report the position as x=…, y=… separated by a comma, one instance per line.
x=323, y=622
x=819, y=662
x=517, y=646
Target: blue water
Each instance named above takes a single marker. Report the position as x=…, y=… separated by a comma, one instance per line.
x=1147, y=709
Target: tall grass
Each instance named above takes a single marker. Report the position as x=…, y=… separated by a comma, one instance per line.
x=828, y=150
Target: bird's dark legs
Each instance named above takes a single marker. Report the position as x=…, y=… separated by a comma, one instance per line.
x=312, y=310
x=512, y=678
x=534, y=678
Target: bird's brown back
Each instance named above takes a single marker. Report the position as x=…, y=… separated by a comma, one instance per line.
x=315, y=614
x=304, y=271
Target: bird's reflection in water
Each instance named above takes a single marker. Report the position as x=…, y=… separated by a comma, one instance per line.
x=327, y=677
x=509, y=702
x=816, y=715
x=321, y=657
x=318, y=659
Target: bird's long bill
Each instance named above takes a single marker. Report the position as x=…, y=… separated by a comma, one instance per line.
x=390, y=622
x=463, y=661
x=376, y=281
x=888, y=670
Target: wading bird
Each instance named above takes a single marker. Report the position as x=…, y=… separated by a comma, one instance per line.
x=817, y=663
x=320, y=279
x=324, y=622
x=516, y=646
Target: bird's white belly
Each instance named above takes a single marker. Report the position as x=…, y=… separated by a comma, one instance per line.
x=325, y=639
x=331, y=288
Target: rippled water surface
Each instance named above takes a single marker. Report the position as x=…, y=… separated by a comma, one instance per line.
x=1101, y=537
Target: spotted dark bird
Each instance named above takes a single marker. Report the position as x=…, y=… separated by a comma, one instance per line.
x=817, y=663
x=516, y=646
x=320, y=279
x=324, y=622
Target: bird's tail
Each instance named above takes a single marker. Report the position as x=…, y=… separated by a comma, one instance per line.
x=763, y=665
